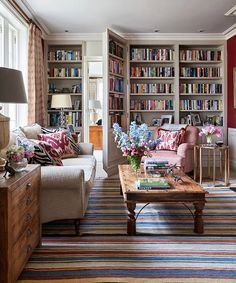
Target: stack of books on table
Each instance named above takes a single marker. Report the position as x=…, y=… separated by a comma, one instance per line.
x=152, y=184
x=152, y=164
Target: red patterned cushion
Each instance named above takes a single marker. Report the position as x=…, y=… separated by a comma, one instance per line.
x=56, y=155
x=60, y=142
x=170, y=140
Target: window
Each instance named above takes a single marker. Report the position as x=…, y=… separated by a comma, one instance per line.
x=13, y=54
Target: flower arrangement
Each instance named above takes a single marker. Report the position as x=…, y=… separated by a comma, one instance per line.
x=210, y=131
x=17, y=153
x=135, y=143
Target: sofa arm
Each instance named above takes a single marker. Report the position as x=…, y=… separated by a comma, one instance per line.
x=62, y=193
x=184, y=148
x=86, y=148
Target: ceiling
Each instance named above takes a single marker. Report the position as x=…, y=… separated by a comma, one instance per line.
x=132, y=16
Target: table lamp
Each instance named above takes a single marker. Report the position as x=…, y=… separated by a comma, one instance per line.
x=93, y=105
x=61, y=101
x=12, y=90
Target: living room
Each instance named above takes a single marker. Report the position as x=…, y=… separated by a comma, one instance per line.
x=71, y=73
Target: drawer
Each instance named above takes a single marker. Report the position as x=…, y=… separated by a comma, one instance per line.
x=25, y=245
x=23, y=219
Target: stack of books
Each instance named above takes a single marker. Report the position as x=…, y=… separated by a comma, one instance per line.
x=152, y=184
x=152, y=164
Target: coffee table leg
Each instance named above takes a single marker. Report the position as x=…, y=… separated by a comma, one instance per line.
x=131, y=221
x=198, y=219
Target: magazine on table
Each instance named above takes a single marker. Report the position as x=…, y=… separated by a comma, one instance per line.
x=152, y=183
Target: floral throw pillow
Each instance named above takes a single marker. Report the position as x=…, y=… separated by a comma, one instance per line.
x=60, y=142
x=170, y=140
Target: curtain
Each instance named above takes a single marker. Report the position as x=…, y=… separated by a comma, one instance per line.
x=36, y=79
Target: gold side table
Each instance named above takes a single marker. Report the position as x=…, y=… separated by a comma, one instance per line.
x=212, y=150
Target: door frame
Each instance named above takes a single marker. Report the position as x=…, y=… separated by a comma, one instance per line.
x=88, y=59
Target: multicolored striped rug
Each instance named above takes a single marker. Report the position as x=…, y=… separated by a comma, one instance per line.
x=160, y=258
x=107, y=215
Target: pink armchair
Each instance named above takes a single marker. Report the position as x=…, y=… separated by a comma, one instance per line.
x=183, y=157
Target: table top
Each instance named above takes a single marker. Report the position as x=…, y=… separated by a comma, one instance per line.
x=212, y=146
x=186, y=187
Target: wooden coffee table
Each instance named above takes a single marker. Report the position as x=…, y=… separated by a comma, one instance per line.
x=187, y=191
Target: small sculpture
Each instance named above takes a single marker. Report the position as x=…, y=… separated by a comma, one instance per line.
x=9, y=170
x=170, y=172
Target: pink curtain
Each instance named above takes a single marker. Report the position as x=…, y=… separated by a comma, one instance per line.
x=36, y=78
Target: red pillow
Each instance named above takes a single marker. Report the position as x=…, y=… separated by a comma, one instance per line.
x=170, y=140
x=60, y=142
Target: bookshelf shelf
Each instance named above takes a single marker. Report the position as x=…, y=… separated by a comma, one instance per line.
x=152, y=78
x=116, y=110
x=116, y=75
x=152, y=61
x=64, y=65
x=201, y=110
x=201, y=94
x=116, y=57
x=152, y=111
x=151, y=94
x=200, y=62
x=201, y=78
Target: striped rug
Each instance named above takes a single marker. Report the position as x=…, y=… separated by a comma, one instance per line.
x=107, y=215
x=155, y=258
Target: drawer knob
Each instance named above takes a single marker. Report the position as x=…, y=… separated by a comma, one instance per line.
x=28, y=201
x=29, y=185
x=29, y=249
x=28, y=217
x=29, y=232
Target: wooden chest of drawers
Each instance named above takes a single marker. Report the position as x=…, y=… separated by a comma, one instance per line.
x=20, y=230
x=95, y=136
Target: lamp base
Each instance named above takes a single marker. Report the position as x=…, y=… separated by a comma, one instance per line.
x=2, y=164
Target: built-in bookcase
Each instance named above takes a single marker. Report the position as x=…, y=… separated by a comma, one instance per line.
x=64, y=63
x=201, y=84
x=151, y=82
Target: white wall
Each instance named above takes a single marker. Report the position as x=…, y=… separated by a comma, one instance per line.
x=93, y=48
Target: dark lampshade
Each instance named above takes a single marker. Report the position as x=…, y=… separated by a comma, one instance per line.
x=12, y=89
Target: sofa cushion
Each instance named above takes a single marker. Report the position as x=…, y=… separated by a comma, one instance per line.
x=60, y=142
x=74, y=144
x=170, y=140
x=31, y=132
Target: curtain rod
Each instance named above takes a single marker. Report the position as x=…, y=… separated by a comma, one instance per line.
x=22, y=13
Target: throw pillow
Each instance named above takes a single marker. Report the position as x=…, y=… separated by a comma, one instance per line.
x=60, y=142
x=43, y=154
x=74, y=144
x=170, y=140
x=31, y=132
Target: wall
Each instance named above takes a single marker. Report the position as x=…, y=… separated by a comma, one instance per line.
x=231, y=53
x=93, y=48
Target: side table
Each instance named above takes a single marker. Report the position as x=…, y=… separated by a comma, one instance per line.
x=212, y=150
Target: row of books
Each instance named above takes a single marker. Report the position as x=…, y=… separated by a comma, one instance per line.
x=115, y=102
x=198, y=72
x=151, y=104
x=64, y=55
x=201, y=88
x=116, y=118
x=116, y=49
x=65, y=72
x=152, y=71
x=201, y=104
x=152, y=88
x=148, y=54
x=116, y=67
x=116, y=84
x=200, y=55
x=74, y=118
x=77, y=88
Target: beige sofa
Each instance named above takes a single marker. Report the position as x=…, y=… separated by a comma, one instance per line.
x=65, y=189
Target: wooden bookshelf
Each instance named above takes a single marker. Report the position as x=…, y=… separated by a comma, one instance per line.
x=64, y=65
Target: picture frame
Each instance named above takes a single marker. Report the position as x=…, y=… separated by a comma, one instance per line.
x=234, y=85
x=71, y=128
x=137, y=117
x=196, y=120
x=166, y=119
x=156, y=122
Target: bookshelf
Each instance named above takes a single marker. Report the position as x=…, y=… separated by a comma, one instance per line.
x=151, y=82
x=64, y=69
x=201, y=80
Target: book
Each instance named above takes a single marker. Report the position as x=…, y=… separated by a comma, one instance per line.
x=152, y=183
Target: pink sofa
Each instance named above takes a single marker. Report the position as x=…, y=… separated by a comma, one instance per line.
x=183, y=157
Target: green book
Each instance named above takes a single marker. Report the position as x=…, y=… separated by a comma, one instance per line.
x=152, y=183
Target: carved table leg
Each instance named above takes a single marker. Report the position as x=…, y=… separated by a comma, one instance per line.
x=198, y=219
x=131, y=221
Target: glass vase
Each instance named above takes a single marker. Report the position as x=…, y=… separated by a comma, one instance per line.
x=209, y=139
x=19, y=166
x=135, y=161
